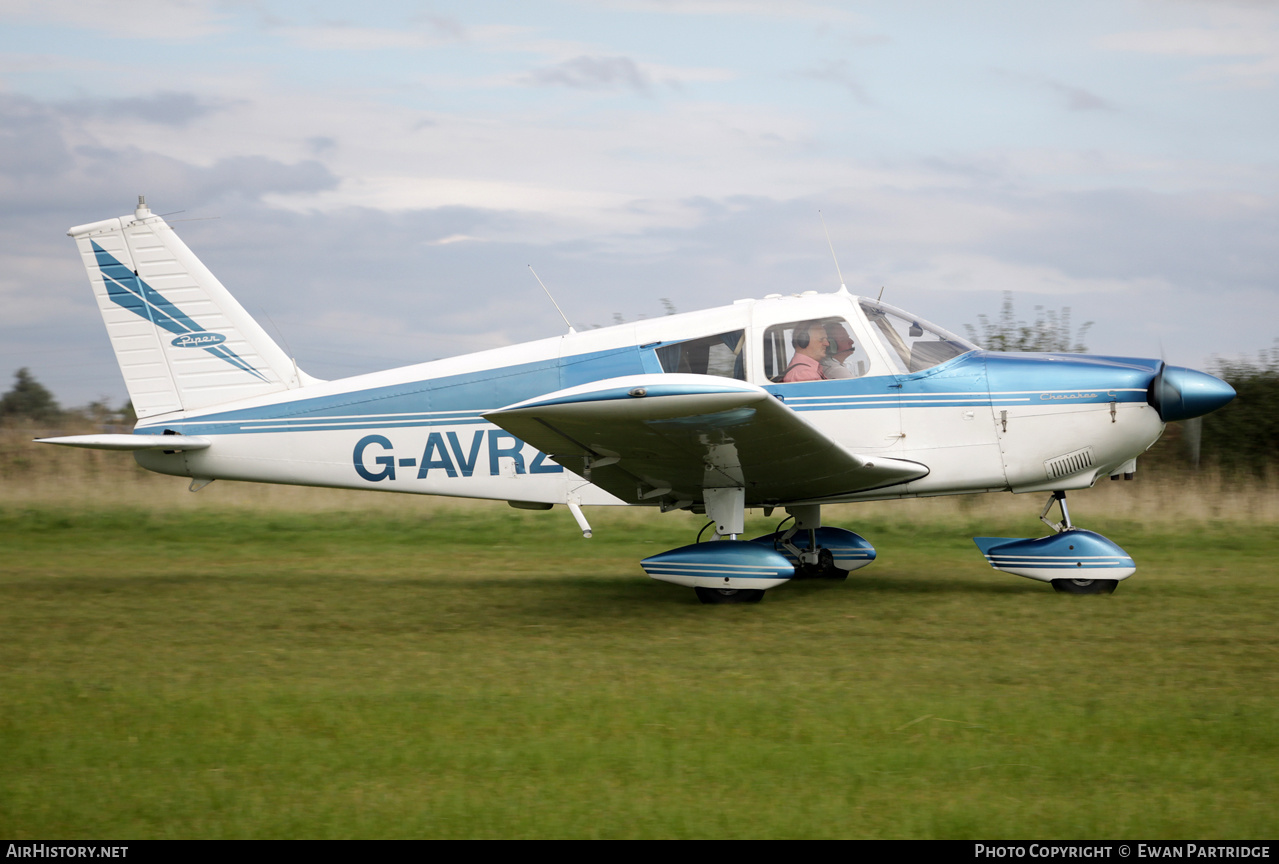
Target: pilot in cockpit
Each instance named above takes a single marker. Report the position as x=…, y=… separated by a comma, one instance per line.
x=811, y=344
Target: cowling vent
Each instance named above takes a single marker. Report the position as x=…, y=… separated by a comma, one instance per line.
x=1069, y=463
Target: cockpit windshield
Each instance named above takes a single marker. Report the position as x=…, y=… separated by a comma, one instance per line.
x=912, y=344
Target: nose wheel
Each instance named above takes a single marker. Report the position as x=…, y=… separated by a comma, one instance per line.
x=728, y=595
x=1085, y=586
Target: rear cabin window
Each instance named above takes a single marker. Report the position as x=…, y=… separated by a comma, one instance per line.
x=720, y=355
x=790, y=352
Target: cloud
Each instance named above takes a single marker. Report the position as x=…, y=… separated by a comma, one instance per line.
x=1194, y=42
x=319, y=144
x=1212, y=47
x=984, y=273
x=1079, y=99
x=166, y=108
x=47, y=160
x=795, y=9
x=31, y=139
x=1075, y=98
x=593, y=73
x=444, y=25
x=181, y=21
x=340, y=36
x=836, y=72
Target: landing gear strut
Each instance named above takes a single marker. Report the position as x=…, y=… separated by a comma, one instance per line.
x=813, y=560
x=818, y=552
x=1058, y=498
x=1073, y=586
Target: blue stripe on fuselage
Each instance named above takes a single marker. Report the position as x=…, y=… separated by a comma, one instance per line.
x=973, y=379
x=980, y=378
x=450, y=399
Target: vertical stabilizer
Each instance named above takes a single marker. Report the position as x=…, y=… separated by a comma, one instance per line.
x=181, y=339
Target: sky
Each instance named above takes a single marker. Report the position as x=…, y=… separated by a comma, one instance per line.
x=373, y=181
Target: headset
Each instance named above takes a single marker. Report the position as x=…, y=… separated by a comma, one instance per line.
x=800, y=338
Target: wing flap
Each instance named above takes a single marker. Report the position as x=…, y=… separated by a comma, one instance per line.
x=671, y=436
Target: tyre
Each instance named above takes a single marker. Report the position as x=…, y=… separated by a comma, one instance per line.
x=1085, y=586
x=729, y=595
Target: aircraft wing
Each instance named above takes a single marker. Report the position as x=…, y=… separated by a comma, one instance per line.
x=669, y=437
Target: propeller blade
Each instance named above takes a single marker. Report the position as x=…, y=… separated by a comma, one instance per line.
x=1192, y=434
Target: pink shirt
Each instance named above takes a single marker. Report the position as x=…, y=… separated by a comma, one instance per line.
x=803, y=368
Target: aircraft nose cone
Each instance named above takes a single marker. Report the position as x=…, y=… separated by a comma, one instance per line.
x=1178, y=393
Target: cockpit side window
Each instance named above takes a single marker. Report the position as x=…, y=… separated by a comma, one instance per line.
x=721, y=354
x=819, y=349
x=912, y=344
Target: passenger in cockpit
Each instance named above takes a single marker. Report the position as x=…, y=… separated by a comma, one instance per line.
x=810, y=343
x=841, y=348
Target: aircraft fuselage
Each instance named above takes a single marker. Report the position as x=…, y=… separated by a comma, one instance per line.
x=980, y=421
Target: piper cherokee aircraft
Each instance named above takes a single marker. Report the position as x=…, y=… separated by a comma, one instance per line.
x=784, y=402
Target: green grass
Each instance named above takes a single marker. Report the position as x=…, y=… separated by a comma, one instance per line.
x=473, y=671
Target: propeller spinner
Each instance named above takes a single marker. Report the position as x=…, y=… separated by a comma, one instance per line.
x=1178, y=393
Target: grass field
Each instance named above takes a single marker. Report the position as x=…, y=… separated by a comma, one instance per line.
x=258, y=662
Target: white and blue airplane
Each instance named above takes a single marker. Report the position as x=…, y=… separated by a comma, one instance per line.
x=783, y=402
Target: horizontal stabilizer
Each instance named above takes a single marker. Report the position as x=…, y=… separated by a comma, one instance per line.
x=129, y=442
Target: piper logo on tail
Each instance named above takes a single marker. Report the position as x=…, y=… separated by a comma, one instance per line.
x=126, y=290
x=198, y=340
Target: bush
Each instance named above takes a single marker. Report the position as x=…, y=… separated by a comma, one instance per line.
x=1243, y=437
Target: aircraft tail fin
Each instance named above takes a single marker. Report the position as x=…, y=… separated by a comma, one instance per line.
x=181, y=339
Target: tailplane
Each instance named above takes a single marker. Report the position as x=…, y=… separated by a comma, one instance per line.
x=181, y=339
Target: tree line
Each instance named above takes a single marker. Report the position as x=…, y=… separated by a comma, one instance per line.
x=30, y=401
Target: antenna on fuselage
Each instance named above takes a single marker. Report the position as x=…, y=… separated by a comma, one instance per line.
x=552, y=299
x=842, y=286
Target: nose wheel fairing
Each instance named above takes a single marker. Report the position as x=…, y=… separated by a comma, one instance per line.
x=1073, y=554
x=1074, y=560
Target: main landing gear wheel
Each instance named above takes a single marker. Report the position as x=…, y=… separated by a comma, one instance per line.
x=729, y=595
x=1085, y=586
x=824, y=568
